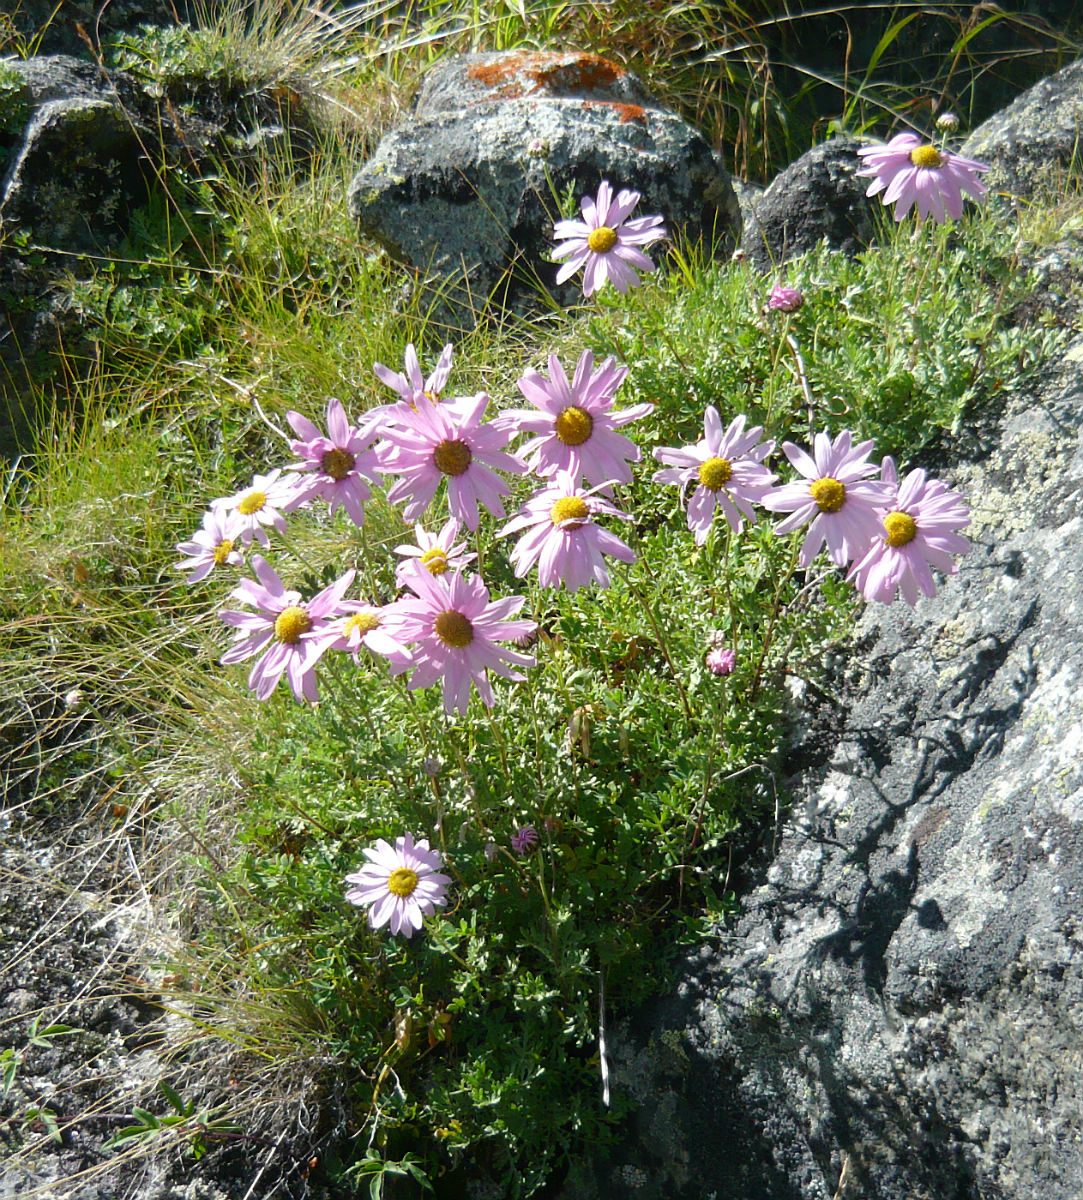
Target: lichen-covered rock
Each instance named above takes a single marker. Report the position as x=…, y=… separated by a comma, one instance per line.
x=466, y=190
x=898, y=1012
x=817, y=196
x=1034, y=136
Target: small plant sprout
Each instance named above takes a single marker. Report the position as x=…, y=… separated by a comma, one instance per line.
x=910, y=172
x=574, y=425
x=920, y=529
x=285, y=630
x=455, y=629
x=562, y=537
x=335, y=465
x=727, y=468
x=836, y=496
x=437, y=552
x=434, y=443
x=212, y=545
x=400, y=885
x=605, y=243
x=263, y=503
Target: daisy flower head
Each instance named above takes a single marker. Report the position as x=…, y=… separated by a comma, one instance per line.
x=785, y=299
x=434, y=443
x=454, y=628
x=562, y=537
x=605, y=242
x=411, y=385
x=264, y=502
x=920, y=529
x=836, y=495
x=285, y=630
x=438, y=552
x=574, y=425
x=400, y=885
x=211, y=545
x=524, y=839
x=911, y=172
x=726, y=466
x=720, y=660
x=334, y=465
x=360, y=626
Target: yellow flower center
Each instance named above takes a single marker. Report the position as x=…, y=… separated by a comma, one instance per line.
x=715, y=473
x=252, y=503
x=829, y=494
x=363, y=622
x=402, y=881
x=569, y=508
x=901, y=528
x=291, y=623
x=337, y=463
x=452, y=458
x=926, y=156
x=222, y=551
x=574, y=426
x=453, y=629
x=436, y=560
x=602, y=239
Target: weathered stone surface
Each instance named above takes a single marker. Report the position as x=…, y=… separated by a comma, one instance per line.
x=900, y=1004
x=467, y=186
x=817, y=196
x=1033, y=136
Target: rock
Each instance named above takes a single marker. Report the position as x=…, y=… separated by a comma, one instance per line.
x=1036, y=135
x=900, y=1004
x=467, y=187
x=817, y=196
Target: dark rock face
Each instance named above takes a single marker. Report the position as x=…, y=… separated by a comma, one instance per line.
x=468, y=186
x=1036, y=134
x=817, y=196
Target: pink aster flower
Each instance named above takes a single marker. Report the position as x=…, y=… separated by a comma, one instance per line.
x=728, y=467
x=562, y=537
x=433, y=443
x=285, y=630
x=605, y=241
x=919, y=530
x=574, y=423
x=264, y=502
x=412, y=386
x=400, y=884
x=334, y=465
x=211, y=545
x=438, y=552
x=909, y=171
x=836, y=495
x=524, y=839
x=785, y=299
x=454, y=628
x=360, y=626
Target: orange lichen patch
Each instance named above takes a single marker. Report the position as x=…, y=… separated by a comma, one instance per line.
x=521, y=73
x=625, y=112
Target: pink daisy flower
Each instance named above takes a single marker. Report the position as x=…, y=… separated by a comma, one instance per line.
x=334, y=465
x=721, y=661
x=455, y=628
x=604, y=242
x=211, y=545
x=367, y=626
x=727, y=466
x=575, y=427
x=400, y=884
x=412, y=386
x=562, y=537
x=909, y=171
x=438, y=552
x=285, y=630
x=785, y=299
x=524, y=839
x=919, y=530
x=433, y=443
x=836, y=495
x=264, y=502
